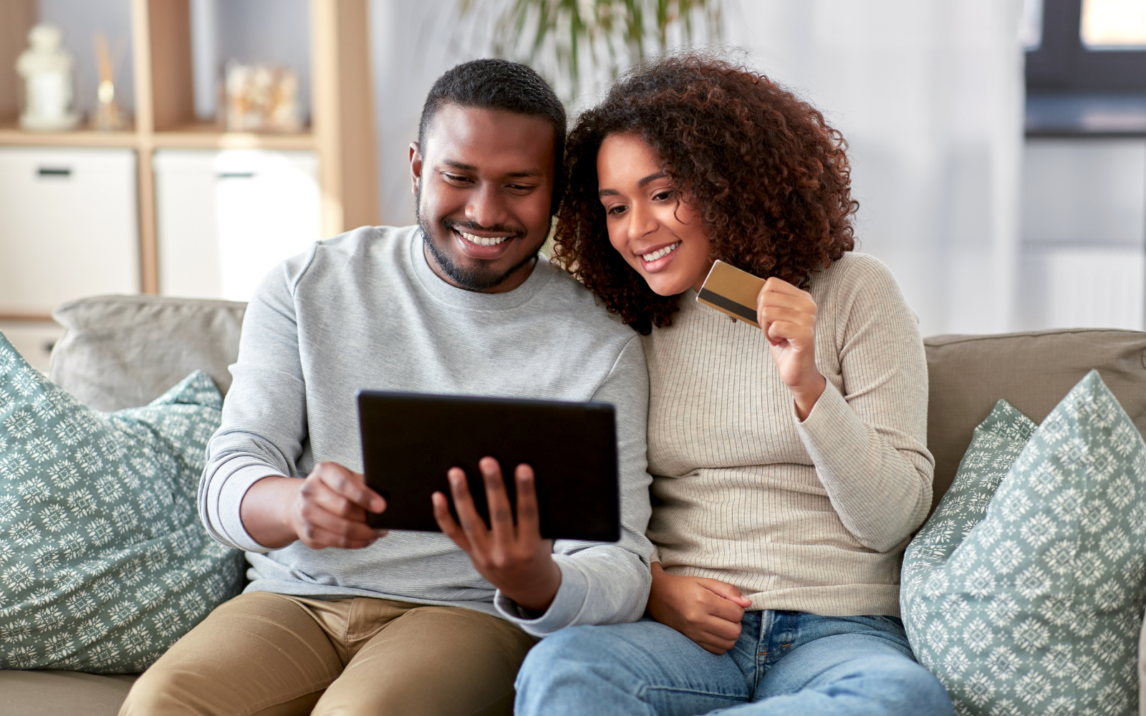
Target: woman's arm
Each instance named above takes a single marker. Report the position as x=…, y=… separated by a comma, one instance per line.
x=867, y=437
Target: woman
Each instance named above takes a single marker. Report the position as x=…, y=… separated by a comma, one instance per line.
x=789, y=461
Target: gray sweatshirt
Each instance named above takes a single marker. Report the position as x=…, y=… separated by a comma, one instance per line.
x=364, y=311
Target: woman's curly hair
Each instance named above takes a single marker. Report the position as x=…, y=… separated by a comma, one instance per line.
x=769, y=179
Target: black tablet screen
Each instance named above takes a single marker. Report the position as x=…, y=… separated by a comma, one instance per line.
x=410, y=441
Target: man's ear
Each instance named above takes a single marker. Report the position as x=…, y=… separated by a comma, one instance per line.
x=415, y=166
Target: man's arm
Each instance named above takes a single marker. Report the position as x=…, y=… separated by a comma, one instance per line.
x=327, y=509
x=249, y=496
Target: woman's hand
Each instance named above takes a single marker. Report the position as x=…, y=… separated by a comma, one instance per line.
x=707, y=611
x=787, y=316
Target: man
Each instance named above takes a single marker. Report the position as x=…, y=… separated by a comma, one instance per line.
x=408, y=623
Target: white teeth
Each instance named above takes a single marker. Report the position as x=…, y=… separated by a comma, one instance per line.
x=660, y=254
x=482, y=240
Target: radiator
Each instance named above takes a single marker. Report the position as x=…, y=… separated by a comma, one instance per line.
x=1096, y=288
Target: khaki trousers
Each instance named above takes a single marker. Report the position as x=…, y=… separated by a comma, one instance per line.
x=273, y=654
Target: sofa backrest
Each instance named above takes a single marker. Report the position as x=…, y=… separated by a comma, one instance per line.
x=124, y=351
x=1032, y=371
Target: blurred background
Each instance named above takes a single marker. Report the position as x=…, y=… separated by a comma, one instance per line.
x=998, y=146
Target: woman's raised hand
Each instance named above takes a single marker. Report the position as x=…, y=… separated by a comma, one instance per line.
x=787, y=315
x=707, y=611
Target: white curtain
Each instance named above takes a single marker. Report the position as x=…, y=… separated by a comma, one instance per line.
x=929, y=94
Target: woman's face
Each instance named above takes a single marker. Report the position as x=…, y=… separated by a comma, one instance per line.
x=650, y=224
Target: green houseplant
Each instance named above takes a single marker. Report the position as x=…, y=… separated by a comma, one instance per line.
x=574, y=42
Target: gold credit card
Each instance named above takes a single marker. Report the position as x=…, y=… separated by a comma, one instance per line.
x=731, y=291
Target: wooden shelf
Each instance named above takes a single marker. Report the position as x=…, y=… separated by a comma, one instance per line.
x=11, y=134
x=208, y=136
x=192, y=136
x=25, y=317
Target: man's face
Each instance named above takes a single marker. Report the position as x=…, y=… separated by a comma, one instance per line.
x=483, y=182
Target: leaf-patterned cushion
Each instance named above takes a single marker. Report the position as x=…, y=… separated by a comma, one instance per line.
x=103, y=560
x=1028, y=598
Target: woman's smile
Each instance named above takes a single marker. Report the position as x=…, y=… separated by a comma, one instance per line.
x=658, y=258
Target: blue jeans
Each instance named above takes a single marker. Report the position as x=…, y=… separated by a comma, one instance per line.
x=787, y=663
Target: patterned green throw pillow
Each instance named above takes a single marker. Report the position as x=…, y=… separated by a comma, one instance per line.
x=1028, y=598
x=103, y=561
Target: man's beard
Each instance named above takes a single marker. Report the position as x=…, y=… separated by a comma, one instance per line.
x=471, y=279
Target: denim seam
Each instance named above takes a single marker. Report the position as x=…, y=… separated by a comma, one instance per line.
x=677, y=690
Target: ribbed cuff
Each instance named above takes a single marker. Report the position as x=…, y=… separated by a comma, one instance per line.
x=565, y=607
x=831, y=426
x=227, y=516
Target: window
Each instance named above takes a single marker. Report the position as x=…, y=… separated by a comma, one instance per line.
x=1085, y=46
x=1113, y=24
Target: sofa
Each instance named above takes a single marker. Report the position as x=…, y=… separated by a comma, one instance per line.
x=123, y=351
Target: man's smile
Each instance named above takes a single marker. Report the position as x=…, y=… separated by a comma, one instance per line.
x=482, y=240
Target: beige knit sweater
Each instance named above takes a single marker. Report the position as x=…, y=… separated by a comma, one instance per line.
x=810, y=516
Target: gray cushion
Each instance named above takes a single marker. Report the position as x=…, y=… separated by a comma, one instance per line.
x=125, y=351
x=1031, y=371
x=54, y=693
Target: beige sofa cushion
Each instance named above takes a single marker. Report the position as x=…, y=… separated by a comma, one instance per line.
x=125, y=351
x=55, y=693
x=1031, y=371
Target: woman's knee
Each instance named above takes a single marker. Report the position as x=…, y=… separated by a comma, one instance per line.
x=912, y=683
x=577, y=671
x=582, y=657
x=568, y=649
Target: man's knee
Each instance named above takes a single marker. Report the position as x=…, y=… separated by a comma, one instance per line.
x=157, y=691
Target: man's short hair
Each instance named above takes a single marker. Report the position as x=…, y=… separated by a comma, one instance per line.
x=504, y=85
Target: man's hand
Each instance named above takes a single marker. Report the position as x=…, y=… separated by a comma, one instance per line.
x=331, y=506
x=327, y=509
x=707, y=611
x=787, y=315
x=512, y=557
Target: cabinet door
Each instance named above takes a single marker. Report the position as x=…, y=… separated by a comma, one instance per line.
x=68, y=226
x=225, y=219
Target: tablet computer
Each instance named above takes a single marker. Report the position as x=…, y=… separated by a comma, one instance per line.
x=410, y=441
